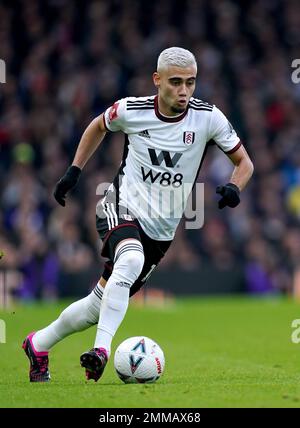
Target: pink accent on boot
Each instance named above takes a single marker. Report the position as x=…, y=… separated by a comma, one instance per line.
x=38, y=369
x=37, y=353
x=104, y=351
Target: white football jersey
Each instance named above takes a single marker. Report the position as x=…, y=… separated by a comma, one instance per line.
x=162, y=157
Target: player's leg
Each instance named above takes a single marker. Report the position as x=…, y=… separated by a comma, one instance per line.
x=154, y=251
x=128, y=264
x=78, y=316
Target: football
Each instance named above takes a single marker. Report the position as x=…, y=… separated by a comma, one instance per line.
x=139, y=360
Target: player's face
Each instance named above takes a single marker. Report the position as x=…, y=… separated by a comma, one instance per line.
x=175, y=86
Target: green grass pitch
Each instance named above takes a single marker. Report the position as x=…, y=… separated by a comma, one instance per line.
x=220, y=352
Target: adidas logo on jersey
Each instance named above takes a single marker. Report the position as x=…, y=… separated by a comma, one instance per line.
x=145, y=134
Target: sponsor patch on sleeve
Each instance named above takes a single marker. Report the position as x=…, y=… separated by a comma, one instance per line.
x=113, y=113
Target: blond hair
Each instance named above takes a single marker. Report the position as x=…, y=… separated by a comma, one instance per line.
x=177, y=57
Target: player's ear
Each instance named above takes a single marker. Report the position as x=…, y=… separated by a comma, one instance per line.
x=156, y=79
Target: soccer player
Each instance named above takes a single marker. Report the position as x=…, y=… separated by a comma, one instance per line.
x=165, y=140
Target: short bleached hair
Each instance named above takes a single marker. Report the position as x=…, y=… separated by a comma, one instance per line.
x=175, y=56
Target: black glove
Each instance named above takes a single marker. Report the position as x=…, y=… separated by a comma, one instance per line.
x=66, y=183
x=230, y=195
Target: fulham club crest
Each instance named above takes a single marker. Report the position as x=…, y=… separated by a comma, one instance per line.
x=188, y=137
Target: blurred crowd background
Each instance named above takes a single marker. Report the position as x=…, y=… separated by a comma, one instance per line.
x=67, y=61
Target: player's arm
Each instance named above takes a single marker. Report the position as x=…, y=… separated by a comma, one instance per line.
x=241, y=175
x=90, y=140
x=223, y=133
x=243, y=167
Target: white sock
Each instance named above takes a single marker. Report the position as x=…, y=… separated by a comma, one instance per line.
x=78, y=316
x=128, y=265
